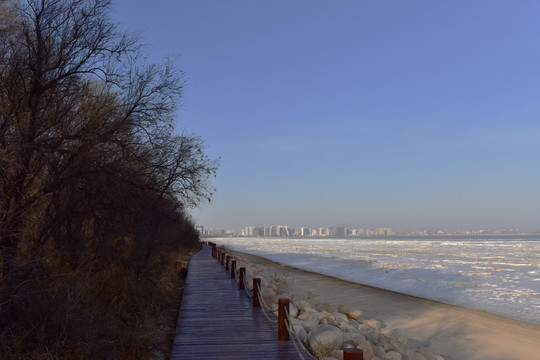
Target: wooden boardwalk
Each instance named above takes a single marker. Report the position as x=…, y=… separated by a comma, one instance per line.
x=217, y=320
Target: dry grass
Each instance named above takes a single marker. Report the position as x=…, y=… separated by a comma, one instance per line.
x=94, y=313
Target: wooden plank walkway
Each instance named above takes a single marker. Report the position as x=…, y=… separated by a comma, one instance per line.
x=217, y=320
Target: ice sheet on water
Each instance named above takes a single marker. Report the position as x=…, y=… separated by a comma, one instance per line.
x=500, y=275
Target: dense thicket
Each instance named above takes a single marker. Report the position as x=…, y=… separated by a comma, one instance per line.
x=93, y=182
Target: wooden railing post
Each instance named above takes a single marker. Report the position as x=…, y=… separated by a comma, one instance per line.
x=256, y=286
x=353, y=354
x=233, y=269
x=222, y=258
x=227, y=262
x=283, y=333
x=242, y=275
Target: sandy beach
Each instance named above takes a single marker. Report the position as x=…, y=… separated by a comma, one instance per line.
x=454, y=332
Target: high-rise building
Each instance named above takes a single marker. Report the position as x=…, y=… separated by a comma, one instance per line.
x=383, y=232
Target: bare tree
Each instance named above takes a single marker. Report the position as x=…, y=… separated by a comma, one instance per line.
x=92, y=175
x=78, y=103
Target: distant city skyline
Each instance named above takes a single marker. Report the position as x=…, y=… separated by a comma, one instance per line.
x=343, y=231
x=413, y=114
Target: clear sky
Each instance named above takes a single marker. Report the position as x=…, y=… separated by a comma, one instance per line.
x=412, y=114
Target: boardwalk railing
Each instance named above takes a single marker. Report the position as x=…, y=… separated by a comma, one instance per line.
x=283, y=320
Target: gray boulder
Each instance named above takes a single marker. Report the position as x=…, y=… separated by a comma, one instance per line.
x=325, y=337
x=350, y=311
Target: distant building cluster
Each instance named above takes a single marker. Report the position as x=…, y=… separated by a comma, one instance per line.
x=216, y=231
x=465, y=232
x=287, y=231
x=284, y=231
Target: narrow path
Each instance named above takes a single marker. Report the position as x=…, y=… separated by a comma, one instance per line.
x=217, y=320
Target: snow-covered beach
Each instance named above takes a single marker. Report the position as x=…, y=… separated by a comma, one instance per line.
x=498, y=274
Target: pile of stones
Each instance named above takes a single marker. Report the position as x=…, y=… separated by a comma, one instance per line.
x=326, y=331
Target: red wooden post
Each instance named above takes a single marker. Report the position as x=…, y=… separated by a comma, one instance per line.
x=227, y=262
x=353, y=354
x=233, y=269
x=242, y=275
x=283, y=333
x=256, y=286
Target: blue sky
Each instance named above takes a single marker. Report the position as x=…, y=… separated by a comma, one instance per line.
x=412, y=114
